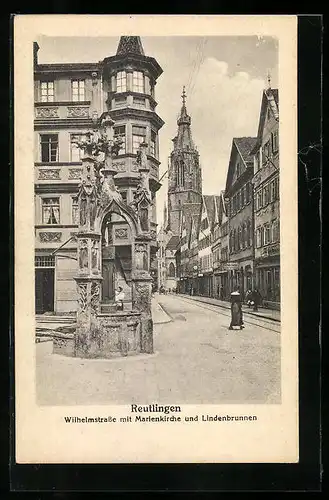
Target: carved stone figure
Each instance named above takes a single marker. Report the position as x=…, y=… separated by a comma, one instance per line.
x=83, y=254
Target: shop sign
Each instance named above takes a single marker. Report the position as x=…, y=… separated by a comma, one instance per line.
x=231, y=266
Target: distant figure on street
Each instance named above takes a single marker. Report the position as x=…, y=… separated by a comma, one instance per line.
x=249, y=298
x=257, y=299
x=119, y=298
x=236, y=310
x=221, y=293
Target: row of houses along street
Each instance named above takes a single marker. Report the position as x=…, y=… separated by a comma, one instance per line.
x=211, y=245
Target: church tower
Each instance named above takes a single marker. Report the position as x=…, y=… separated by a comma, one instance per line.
x=184, y=176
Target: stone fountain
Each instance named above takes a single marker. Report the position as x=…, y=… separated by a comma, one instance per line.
x=101, y=330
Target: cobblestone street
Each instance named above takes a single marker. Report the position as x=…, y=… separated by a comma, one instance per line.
x=196, y=360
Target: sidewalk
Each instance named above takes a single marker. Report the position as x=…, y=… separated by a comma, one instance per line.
x=261, y=313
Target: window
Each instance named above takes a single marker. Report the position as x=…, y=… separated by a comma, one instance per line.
x=204, y=224
x=50, y=211
x=238, y=169
x=44, y=261
x=120, y=132
x=259, y=199
x=171, y=272
x=248, y=192
x=49, y=147
x=76, y=152
x=121, y=81
x=267, y=234
x=266, y=195
x=243, y=236
x=78, y=90
x=243, y=195
x=180, y=174
x=258, y=237
x=239, y=242
x=257, y=161
x=266, y=152
x=47, y=91
x=248, y=235
x=138, y=82
x=139, y=134
x=275, y=141
x=75, y=210
x=153, y=143
x=275, y=231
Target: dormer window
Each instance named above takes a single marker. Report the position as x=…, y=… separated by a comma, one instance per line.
x=138, y=82
x=121, y=81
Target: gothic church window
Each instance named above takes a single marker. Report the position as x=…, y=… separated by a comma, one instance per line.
x=171, y=272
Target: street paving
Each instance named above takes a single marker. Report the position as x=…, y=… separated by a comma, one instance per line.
x=197, y=360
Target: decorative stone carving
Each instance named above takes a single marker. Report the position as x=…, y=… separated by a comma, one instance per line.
x=75, y=173
x=141, y=257
x=94, y=297
x=49, y=237
x=121, y=233
x=49, y=174
x=50, y=112
x=94, y=255
x=120, y=166
x=82, y=296
x=83, y=254
x=77, y=112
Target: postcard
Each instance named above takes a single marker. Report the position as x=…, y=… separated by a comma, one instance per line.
x=156, y=273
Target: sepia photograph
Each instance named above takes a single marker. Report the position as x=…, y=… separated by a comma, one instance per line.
x=157, y=227
x=157, y=220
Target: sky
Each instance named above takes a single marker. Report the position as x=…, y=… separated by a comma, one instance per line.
x=224, y=79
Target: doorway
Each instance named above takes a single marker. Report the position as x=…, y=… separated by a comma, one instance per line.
x=44, y=290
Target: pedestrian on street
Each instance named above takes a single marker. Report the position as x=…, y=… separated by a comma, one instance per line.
x=257, y=299
x=236, y=310
x=249, y=298
x=221, y=294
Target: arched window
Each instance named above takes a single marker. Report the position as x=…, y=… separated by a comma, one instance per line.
x=171, y=271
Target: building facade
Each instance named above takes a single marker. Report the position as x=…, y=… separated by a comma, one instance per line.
x=267, y=200
x=70, y=100
x=239, y=195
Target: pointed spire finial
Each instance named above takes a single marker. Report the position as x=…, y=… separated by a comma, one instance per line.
x=269, y=79
x=184, y=96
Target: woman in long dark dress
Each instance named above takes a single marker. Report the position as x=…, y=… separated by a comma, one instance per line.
x=236, y=311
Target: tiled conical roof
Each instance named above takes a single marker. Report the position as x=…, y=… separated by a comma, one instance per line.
x=130, y=45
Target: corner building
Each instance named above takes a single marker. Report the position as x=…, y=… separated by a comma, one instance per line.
x=70, y=98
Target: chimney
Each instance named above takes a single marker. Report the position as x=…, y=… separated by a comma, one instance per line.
x=35, y=53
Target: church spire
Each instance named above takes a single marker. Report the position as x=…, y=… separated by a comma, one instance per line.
x=130, y=45
x=184, y=136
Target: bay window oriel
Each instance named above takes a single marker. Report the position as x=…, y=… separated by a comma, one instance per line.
x=138, y=82
x=139, y=136
x=121, y=81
